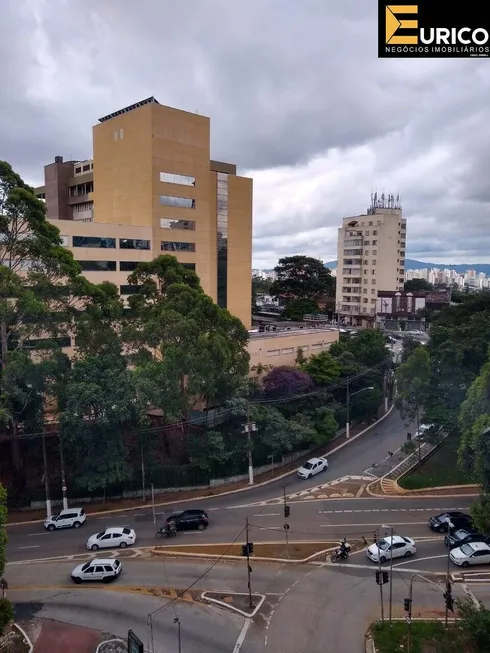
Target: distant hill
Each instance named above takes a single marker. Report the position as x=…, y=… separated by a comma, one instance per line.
x=411, y=264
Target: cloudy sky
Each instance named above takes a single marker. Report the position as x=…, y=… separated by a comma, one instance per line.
x=298, y=99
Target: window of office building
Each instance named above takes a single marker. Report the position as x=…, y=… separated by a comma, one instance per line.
x=133, y=243
x=129, y=289
x=171, y=178
x=173, y=223
x=180, y=202
x=189, y=266
x=45, y=343
x=128, y=266
x=222, y=238
x=94, y=241
x=170, y=246
x=98, y=266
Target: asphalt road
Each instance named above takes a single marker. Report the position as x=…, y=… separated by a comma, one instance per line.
x=319, y=609
x=309, y=520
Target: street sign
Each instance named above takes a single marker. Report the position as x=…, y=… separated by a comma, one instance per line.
x=286, y=527
x=135, y=645
x=63, y=489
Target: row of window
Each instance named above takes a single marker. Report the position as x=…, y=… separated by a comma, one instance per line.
x=304, y=348
x=174, y=223
x=183, y=180
x=130, y=243
x=124, y=266
x=179, y=202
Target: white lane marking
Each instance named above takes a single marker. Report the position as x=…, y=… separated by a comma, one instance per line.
x=32, y=546
x=476, y=602
x=270, y=528
x=401, y=523
x=399, y=564
x=139, y=514
x=36, y=534
x=192, y=532
x=242, y=635
x=127, y=515
x=207, y=509
x=268, y=514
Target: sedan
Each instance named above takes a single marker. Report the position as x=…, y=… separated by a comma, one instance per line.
x=312, y=467
x=440, y=523
x=110, y=538
x=96, y=569
x=464, y=536
x=391, y=547
x=188, y=520
x=475, y=553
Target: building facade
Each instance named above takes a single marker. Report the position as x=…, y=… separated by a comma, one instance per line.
x=371, y=258
x=397, y=308
x=150, y=189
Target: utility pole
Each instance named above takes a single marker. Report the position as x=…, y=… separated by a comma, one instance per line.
x=409, y=617
x=153, y=503
x=63, y=476
x=347, y=417
x=380, y=581
x=46, y=477
x=248, y=428
x=177, y=621
x=247, y=545
x=287, y=512
x=450, y=525
x=143, y=474
x=391, y=572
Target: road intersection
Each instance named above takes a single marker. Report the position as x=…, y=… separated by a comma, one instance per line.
x=325, y=607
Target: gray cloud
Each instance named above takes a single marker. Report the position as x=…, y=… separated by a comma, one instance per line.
x=297, y=97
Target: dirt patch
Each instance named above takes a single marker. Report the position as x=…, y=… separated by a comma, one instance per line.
x=57, y=637
x=237, y=601
x=470, y=490
x=12, y=641
x=28, y=515
x=294, y=551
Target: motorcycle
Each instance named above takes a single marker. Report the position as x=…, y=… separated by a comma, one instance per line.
x=342, y=553
x=166, y=531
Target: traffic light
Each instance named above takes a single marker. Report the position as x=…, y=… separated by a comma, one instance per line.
x=250, y=548
x=378, y=578
x=448, y=597
x=244, y=550
x=287, y=511
x=407, y=604
x=386, y=577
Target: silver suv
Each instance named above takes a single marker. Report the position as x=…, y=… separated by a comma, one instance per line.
x=71, y=518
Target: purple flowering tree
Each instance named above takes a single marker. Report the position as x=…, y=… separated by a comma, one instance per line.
x=286, y=381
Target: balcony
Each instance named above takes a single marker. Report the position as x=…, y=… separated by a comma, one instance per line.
x=353, y=242
x=351, y=272
x=352, y=252
x=354, y=299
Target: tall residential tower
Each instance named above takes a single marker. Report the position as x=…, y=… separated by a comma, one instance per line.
x=370, y=258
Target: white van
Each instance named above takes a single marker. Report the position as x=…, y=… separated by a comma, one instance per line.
x=71, y=518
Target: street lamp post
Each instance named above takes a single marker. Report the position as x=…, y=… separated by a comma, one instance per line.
x=391, y=571
x=449, y=526
x=177, y=621
x=348, y=397
x=249, y=428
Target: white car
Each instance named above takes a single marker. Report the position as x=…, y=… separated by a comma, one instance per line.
x=71, y=518
x=391, y=547
x=312, y=467
x=473, y=553
x=110, y=538
x=422, y=429
x=96, y=569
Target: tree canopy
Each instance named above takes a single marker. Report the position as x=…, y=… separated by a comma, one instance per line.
x=302, y=277
x=417, y=285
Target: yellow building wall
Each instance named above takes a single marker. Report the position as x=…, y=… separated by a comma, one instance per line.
x=240, y=199
x=277, y=349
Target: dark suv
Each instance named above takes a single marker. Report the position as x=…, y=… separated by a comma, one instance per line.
x=439, y=523
x=189, y=520
x=464, y=536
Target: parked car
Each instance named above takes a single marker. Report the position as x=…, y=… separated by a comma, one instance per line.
x=464, y=536
x=439, y=523
x=97, y=569
x=187, y=520
x=391, y=547
x=312, y=467
x=112, y=537
x=422, y=430
x=474, y=553
x=71, y=518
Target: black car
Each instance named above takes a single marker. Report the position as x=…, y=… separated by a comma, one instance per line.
x=439, y=523
x=187, y=520
x=464, y=536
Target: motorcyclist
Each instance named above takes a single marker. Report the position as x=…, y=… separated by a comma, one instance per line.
x=344, y=548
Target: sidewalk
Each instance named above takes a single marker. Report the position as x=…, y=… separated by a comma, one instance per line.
x=58, y=637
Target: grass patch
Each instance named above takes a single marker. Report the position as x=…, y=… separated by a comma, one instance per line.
x=438, y=470
x=427, y=637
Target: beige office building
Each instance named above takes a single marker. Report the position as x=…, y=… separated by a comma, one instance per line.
x=370, y=258
x=151, y=188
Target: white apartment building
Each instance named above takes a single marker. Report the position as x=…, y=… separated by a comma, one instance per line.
x=371, y=257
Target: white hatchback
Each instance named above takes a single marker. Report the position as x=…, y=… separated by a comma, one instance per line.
x=97, y=569
x=312, y=467
x=473, y=553
x=71, y=518
x=391, y=547
x=111, y=538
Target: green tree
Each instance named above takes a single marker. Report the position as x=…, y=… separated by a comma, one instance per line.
x=417, y=285
x=322, y=368
x=325, y=425
x=298, y=308
x=302, y=277
x=99, y=325
x=98, y=403
x=208, y=452
x=412, y=383
x=189, y=349
x=409, y=345
x=3, y=532
x=474, y=626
